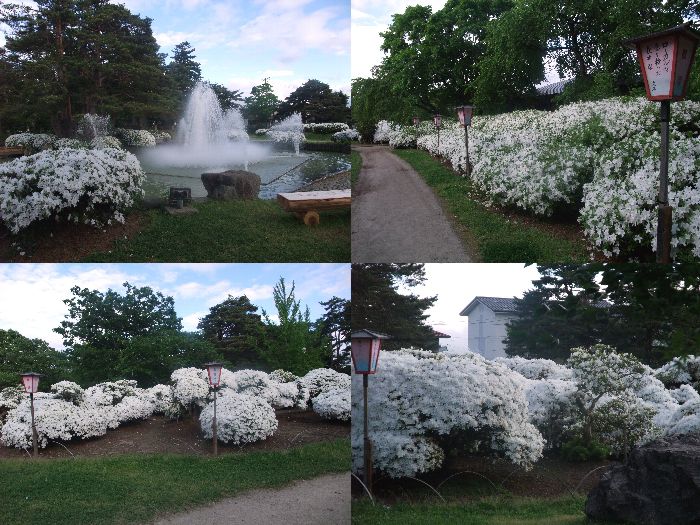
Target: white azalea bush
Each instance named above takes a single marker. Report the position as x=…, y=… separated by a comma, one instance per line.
x=333, y=404
x=90, y=186
x=346, y=136
x=240, y=418
x=71, y=144
x=381, y=132
x=424, y=404
x=161, y=136
x=190, y=386
x=136, y=138
x=104, y=142
x=32, y=142
x=320, y=380
x=326, y=127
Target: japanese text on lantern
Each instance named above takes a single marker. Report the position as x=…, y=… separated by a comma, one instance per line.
x=658, y=61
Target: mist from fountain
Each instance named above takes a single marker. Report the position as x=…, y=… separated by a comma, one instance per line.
x=291, y=129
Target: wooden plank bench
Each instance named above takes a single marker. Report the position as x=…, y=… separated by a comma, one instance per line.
x=307, y=204
x=11, y=152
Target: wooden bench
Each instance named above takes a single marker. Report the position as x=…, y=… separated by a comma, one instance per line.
x=11, y=152
x=307, y=204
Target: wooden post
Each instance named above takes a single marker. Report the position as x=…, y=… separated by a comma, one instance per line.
x=368, y=444
x=216, y=442
x=35, y=436
x=468, y=166
x=438, y=145
x=663, y=231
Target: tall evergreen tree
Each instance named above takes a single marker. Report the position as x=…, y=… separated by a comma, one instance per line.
x=183, y=69
x=335, y=325
x=379, y=305
x=316, y=102
x=261, y=105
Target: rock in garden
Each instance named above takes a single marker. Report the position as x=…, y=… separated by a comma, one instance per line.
x=659, y=483
x=233, y=184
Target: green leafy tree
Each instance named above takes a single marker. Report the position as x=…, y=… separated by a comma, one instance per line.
x=335, y=325
x=261, y=105
x=99, y=326
x=183, y=69
x=316, y=102
x=377, y=303
x=291, y=343
x=20, y=354
x=235, y=329
x=228, y=99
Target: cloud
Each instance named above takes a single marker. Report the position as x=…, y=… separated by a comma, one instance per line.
x=190, y=322
x=254, y=293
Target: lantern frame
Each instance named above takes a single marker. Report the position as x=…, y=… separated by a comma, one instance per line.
x=30, y=382
x=416, y=121
x=214, y=369
x=465, y=114
x=369, y=353
x=674, y=34
x=437, y=120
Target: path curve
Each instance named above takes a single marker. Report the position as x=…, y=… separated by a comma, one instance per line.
x=320, y=501
x=396, y=217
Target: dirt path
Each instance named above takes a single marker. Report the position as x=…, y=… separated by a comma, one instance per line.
x=321, y=501
x=395, y=215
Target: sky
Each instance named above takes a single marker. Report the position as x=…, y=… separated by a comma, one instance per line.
x=457, y=284
x=240, y=42
x=31, y=295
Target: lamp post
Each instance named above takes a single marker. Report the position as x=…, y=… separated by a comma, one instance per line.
x=465, y=119
x=365, y=355
x=214, y=373
x=30, y=381
x=416, y=121
x=437, y=120
x=665, y=59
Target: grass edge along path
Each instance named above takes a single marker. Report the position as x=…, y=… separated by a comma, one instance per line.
x=137, y=488
x=497, y=238
x=501, y=510
x=234, y=231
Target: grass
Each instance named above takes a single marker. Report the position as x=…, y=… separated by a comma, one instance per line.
x=501, y=510
x=491, y=234
x=355, y=167
x=135, y=489
x=235, y=231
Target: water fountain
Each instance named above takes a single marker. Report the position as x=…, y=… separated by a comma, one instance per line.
x=92, y=126
x=212, y=140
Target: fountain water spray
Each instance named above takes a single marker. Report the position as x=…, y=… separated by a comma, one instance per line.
x=290, y=129
x=92, y=126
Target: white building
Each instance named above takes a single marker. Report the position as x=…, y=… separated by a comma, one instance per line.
x=488, y=318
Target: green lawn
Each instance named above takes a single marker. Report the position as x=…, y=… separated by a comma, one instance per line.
x=503, y=510
x=495, y=237
x=355, y=166
x=134, y=489
x=236, y=231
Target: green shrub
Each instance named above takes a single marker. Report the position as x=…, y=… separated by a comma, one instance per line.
x=577, y=450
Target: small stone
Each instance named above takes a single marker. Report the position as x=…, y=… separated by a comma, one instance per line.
x=232, y=184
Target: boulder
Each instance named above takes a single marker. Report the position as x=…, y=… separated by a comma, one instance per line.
x=233, y=184
x=659, y=483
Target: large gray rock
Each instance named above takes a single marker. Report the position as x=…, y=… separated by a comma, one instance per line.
x=658, y=484
x=233, y=184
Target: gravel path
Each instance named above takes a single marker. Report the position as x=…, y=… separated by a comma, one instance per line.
x=320, y=501
x=396, y=217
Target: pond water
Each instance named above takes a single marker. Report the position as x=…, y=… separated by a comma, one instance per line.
x=278, y=172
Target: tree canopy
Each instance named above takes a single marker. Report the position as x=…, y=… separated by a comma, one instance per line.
x=261, y=105
x=20, y=354
x=316, y=102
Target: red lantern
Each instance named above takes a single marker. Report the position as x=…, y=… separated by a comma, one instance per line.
x=465, y=115
x=30, y=381
x=365, y=351
x=214, y=372
x=437, y=119
x=665, y=59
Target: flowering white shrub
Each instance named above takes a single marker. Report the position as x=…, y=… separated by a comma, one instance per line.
x=240, y=418
x=333, y=404
x=33, y=142
x=381, y=133
x=535, y=368
x=105, y=141
x=68, y=391
x=10, y=397
x=253, y=383
x=346, y=136
x=322, y=380
x=326, y=127
x=262, y=131
x=93, y=186
x=423, y=402
x=190, y=386
x=70, y=144
x=137, y=138
x=161, y=136
x=162, y=398
x=680, y=370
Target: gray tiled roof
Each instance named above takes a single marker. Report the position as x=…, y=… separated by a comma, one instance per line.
x=554, y=88
x=497, y=304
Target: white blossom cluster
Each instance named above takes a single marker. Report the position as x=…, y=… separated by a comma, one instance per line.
x=9, y=399
x=422, y=401
x=190, y=386
x=326, y=127
x=72, y=144
x=32, y=142
x=137, y=138
x=161, y=136
x=346, y=136
x=680, y=370
x=601, y=157
x=321, y=380
x=90, y=186
x=240, y=418
x=105, y=141
x=333, y=404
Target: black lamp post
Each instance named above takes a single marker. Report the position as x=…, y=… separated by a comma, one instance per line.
x=665, y=59
x=30, y=381
x=465, y=119
x=214, y=373
x=416, y=121
x=437, y=120
x=365, y=356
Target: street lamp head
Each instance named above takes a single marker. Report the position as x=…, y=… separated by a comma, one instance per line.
x=214, y=372
x=416, y=121
x=365, y=351
x=665, y=58
x=465, y=115
x=30, y=381
x=437, y=119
